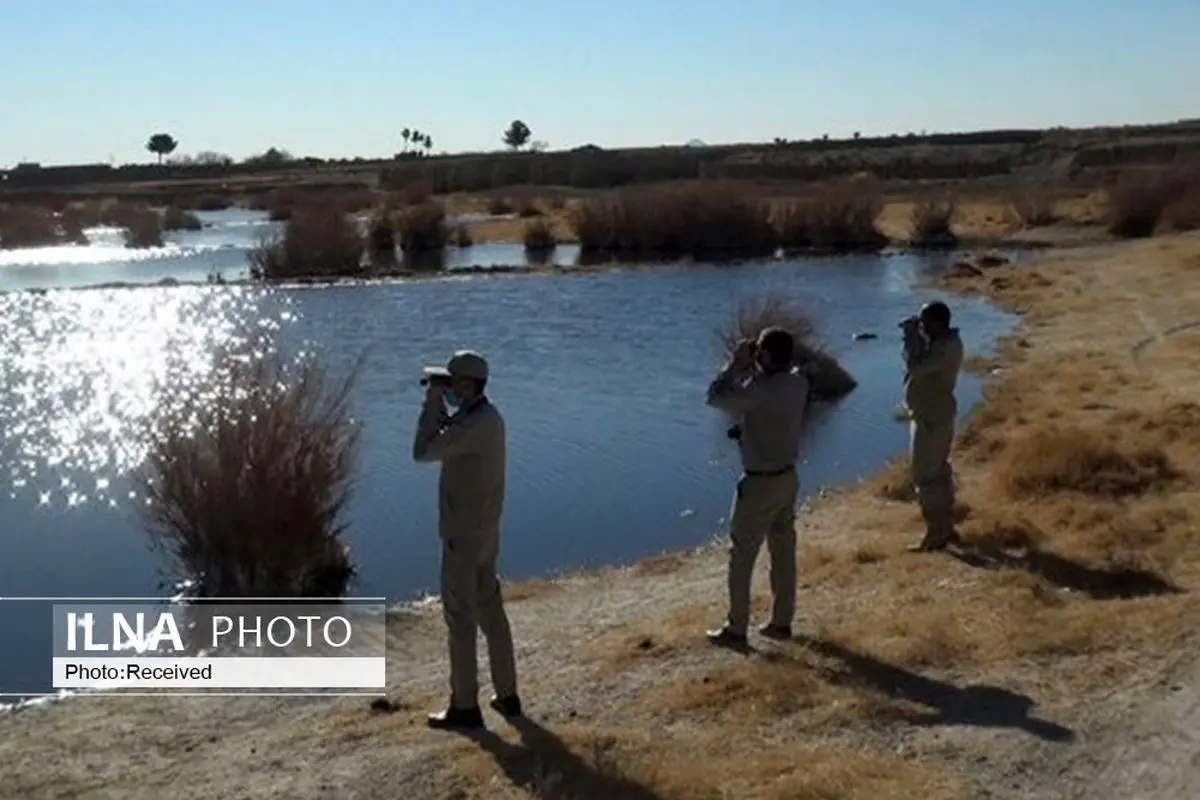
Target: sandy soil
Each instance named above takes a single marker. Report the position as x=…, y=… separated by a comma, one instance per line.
x=1041, y=672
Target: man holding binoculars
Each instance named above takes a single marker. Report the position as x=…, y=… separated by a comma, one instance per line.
x=471, y=445
x=770, y=394
x=933, y=355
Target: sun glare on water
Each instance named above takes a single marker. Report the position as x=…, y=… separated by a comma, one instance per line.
x=84, y=371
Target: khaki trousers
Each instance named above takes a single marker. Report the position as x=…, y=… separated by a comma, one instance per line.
x=471, y=602
x=764, y=507
x=933, y=478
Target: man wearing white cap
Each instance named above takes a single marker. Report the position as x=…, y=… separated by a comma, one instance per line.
x=470, y=444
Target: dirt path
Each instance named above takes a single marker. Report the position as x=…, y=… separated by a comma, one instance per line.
x=931, y=677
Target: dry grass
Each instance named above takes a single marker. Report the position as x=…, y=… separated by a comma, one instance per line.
x=461, y=236
x=930, y=224
x=1052, y=459
x=1033, y=207
x=840, y=217
x=706, y=221
x=142, y=228
x=539, y=238
x=381, y=239
x=33, y=226
x=1140, y=199
x=830, y=380
x=618, y=763
x=423, y=229
x=175, y=218
x=246, y=488
x=319, y=240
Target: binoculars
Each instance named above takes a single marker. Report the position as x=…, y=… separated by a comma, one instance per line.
x=435, y=380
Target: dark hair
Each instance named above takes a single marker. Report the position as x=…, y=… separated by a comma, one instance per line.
x=938, y=312
x=778, y=344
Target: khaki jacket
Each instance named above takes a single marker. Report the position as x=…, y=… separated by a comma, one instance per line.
x=772, y=407
x=471, y=445
x=932, y=373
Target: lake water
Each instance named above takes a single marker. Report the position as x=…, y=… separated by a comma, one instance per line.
x=601, y=376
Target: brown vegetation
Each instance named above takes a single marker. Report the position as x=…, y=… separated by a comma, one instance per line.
x=423, y=229
x=33, y=226
x=142, y=228
x=319, y=240
x=1033, y=207
x=930, y=224
x=829, y=378
x=246, y=489
x=839, y=217
x=1141, y=199
x=707, y=220
x=539, y=238
x=176, y=219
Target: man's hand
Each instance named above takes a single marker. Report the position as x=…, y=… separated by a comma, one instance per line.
x=434, y=392
x=743, y=355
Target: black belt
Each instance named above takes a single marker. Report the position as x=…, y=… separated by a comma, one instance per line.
x=772, y=473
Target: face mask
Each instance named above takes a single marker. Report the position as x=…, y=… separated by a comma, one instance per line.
x=452, y=397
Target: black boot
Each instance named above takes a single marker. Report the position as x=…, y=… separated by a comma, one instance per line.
x=457, y=718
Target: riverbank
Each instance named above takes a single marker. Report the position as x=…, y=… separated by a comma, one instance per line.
x=914, y=676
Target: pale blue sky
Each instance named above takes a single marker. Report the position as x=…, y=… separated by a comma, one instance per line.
x=89, y=80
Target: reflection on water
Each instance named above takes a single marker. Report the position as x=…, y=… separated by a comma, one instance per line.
x=84, y=370
x=613, y=454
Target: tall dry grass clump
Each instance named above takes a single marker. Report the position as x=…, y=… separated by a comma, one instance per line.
x=539, y=237
x=930, y=224
x=839, y=217
x=1053, y=460
x=423, y=229
x=34, y=226
x=381, y=238
x=1139, y=200
x=142, y=229
x=830, y=380
x=461, y=236
x=246, y=489
x=175, y=218
x=320, y=240
x=705, y=220
x=1033, y=207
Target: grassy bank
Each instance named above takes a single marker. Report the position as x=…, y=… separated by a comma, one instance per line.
x=913, y=676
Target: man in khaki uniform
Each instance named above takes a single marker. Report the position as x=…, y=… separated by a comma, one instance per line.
x=933, y=355
x=471, y=446
x=771, y=395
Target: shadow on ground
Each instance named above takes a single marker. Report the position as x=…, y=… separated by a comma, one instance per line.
x=1098, y=583
x=543, y=764
x=980, y=706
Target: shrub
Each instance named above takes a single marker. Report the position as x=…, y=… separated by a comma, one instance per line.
x=839, y=217
x=498, y=206
x=320, y=240
x=381, y=239
x=176, y=219
x=703, y=220
x=245, y=489
x=539, y=238
x=143, y=228
x=416, y=193
x=929, y=224
x=556, y=202
x=423, y=228
x=206, y=202
x=34, y=226
x=120, y=214
x=829, y=378
x=1056, y=460
x=1137, y=202
x=1033, y=207
x=526, y=208
x=461, y=236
